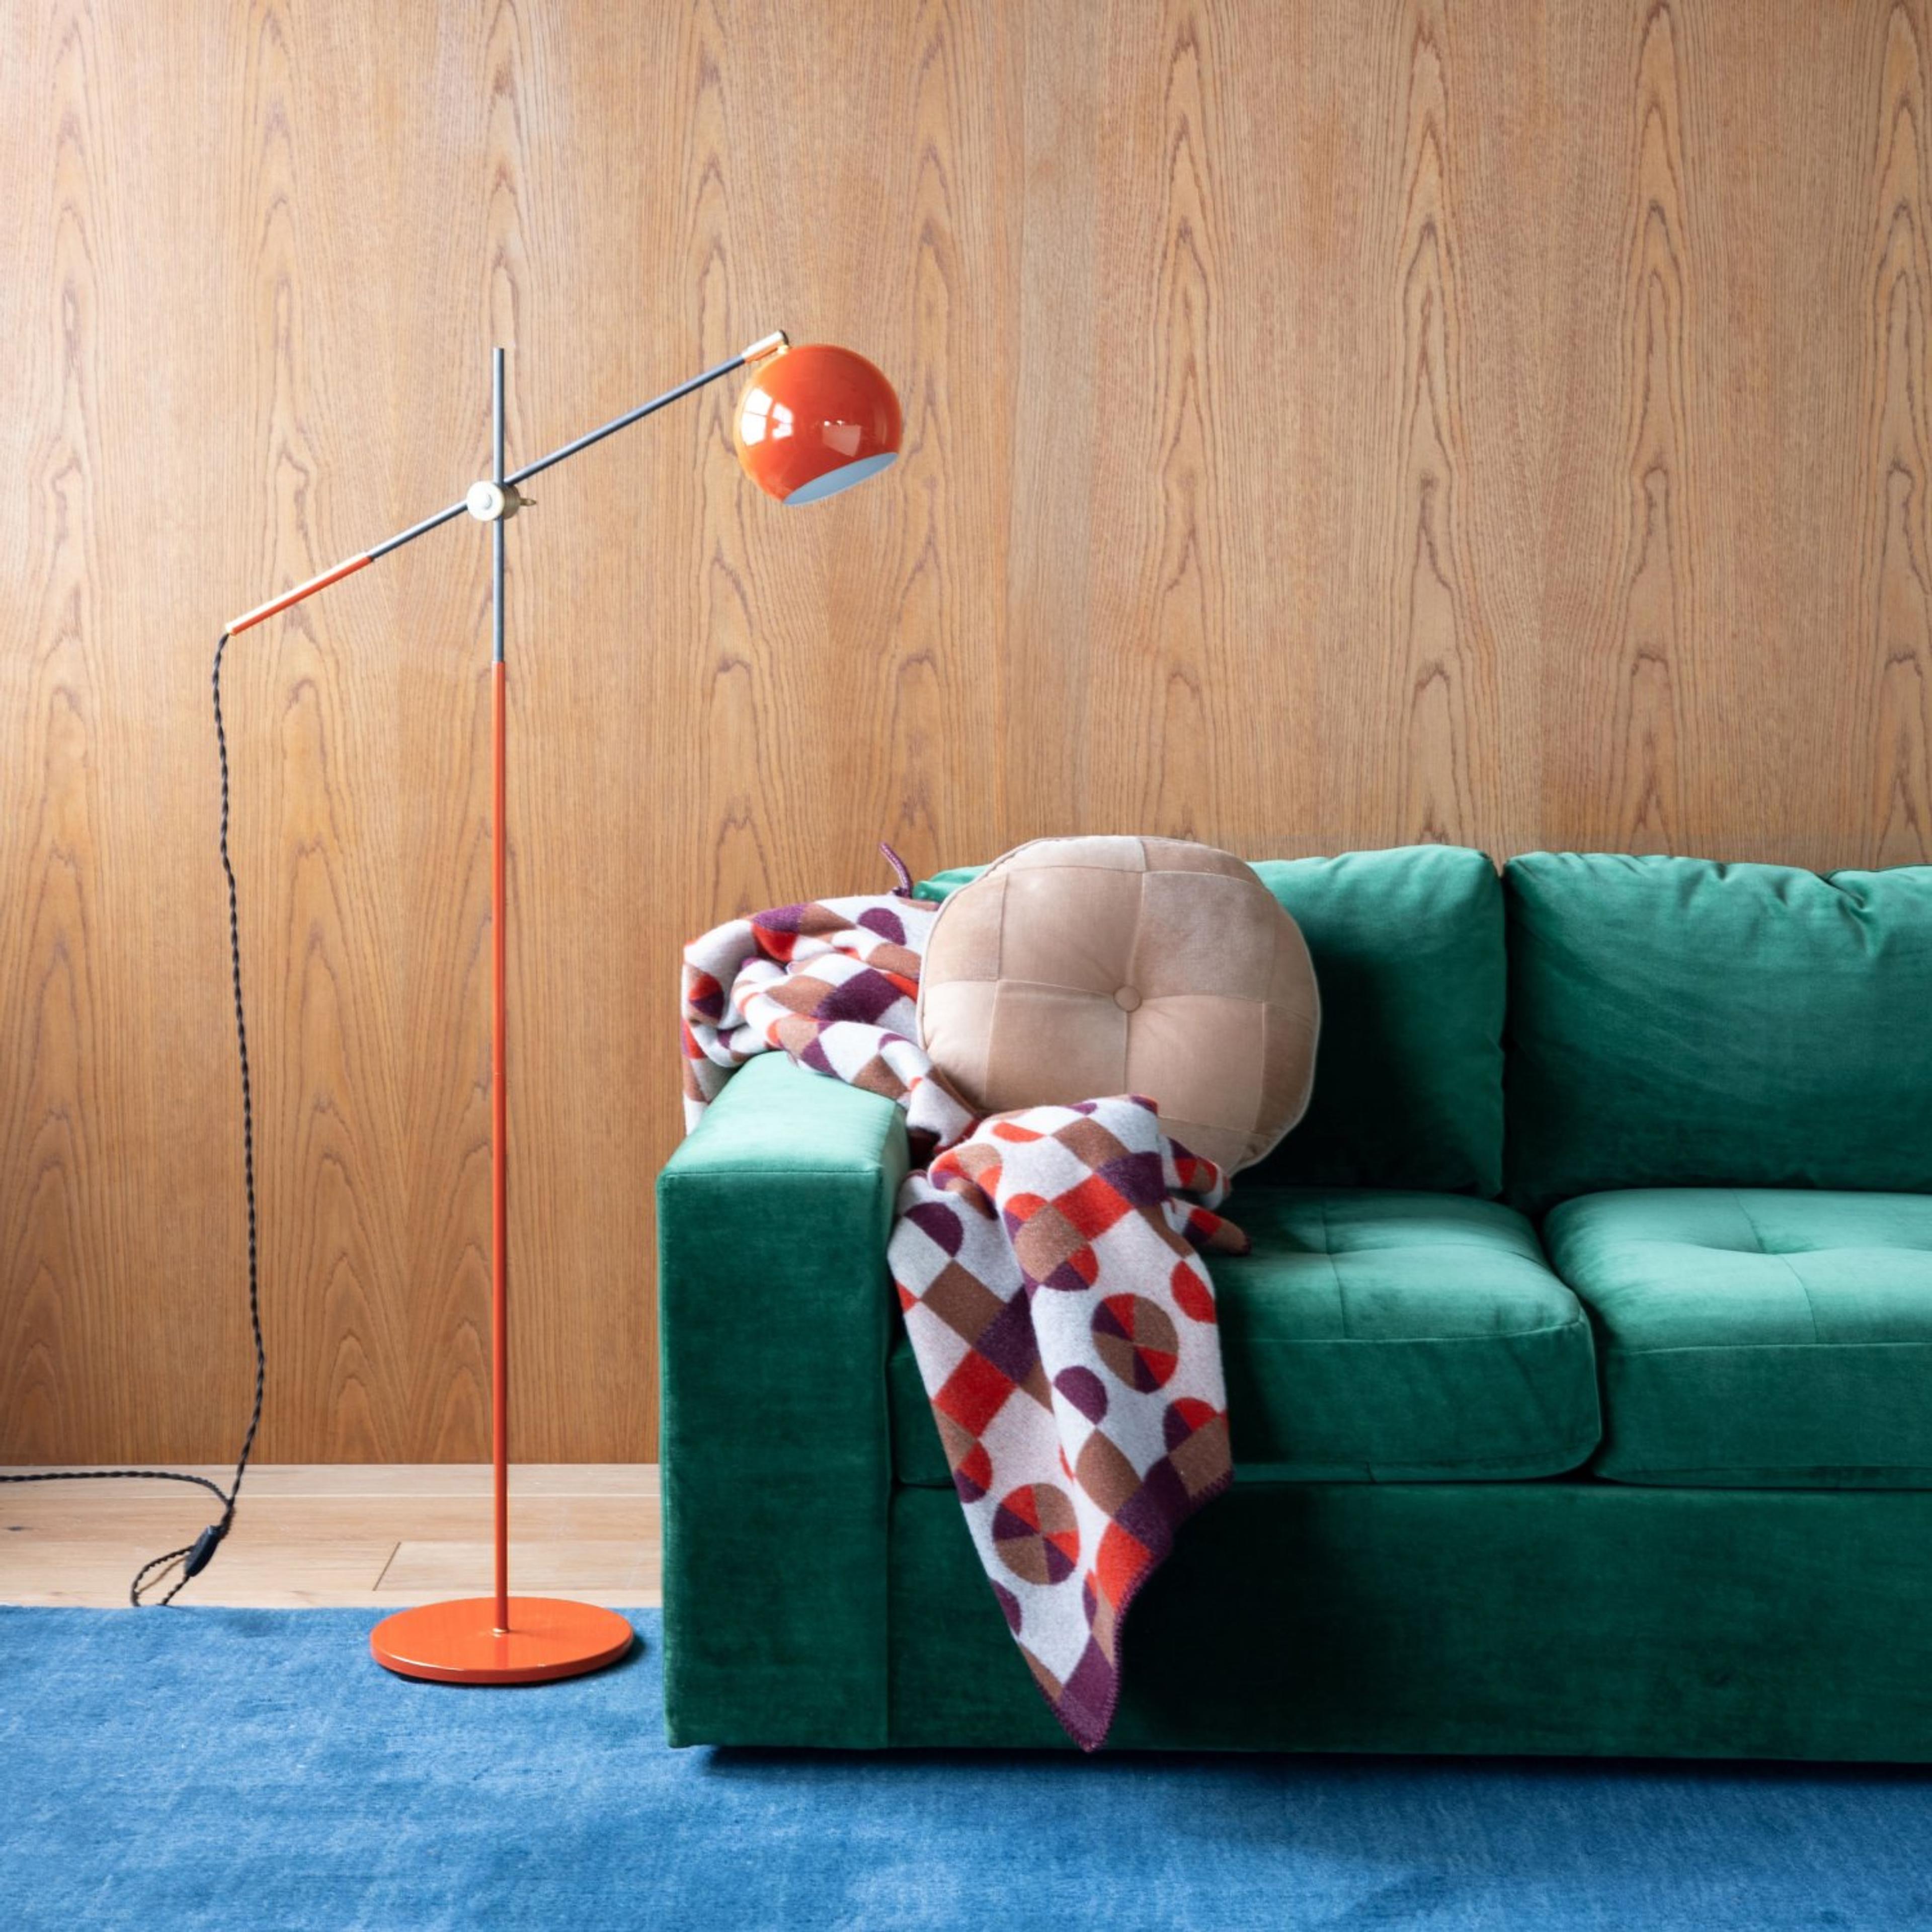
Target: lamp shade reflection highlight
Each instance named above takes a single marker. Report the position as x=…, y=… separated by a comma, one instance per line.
x=814, y=420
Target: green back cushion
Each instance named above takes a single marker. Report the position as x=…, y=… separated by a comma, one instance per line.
x=1674, y=1022
x=1407, y=947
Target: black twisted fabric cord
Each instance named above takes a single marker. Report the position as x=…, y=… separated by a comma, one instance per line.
x=193, y=1557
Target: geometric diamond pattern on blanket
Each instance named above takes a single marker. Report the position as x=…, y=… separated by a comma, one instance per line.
x=1036, y=1263
x=835, y=984
x=1047, y=1266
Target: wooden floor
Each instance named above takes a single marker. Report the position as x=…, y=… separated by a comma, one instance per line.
x=370, y=1536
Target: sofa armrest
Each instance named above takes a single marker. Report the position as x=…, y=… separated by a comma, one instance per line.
x=775, y=1317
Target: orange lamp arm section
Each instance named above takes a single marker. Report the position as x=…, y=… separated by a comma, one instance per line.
x=261, y=611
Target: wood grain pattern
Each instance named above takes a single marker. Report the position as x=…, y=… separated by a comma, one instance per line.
x=1649, y=619
x=1327, y=425
x=1439, y=705
x=1894, y=676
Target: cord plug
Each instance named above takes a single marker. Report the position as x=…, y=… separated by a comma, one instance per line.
x=205, y=1544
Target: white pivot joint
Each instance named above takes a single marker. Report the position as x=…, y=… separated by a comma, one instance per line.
x=495, y=503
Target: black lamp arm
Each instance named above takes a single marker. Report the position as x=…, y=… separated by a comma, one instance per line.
x=765, y=346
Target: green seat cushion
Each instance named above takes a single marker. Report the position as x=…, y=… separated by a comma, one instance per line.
x=1758, y=1338
x=1374, y=1336
x=1674, y=1022
x=1407, y=947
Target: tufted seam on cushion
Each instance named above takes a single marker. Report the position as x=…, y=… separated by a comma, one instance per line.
x=1177, y=1128
x=1789, y=1267
x=1053, y=986
x=1267, y=1053
x=1489, y=1338
x=1363, y=1247
x=1134, y=958
x=1335, y=1269
x=1823, y=1476
x=1384, y=1237
x=1561, y=1461
x=1821, y=1347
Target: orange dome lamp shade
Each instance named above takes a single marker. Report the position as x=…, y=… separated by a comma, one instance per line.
x=814, y=420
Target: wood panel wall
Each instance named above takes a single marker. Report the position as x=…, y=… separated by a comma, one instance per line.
x=1328, y=425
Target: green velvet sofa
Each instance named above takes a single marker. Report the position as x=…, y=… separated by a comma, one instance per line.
x=1580, y=1377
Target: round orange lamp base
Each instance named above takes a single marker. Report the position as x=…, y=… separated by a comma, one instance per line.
x=459, y=1642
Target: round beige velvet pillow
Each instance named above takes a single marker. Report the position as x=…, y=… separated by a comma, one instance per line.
x=1076, y=967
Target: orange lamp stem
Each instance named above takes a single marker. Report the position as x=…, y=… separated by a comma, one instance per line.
x=499, y=1114
x=500, y=1162
x=499, y=1639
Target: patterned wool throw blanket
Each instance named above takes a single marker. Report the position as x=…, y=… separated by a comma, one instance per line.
x=1046, y=1262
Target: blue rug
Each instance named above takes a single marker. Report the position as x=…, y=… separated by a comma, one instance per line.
x=254, y=1769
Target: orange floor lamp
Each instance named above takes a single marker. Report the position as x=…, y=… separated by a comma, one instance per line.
x=812, y=420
